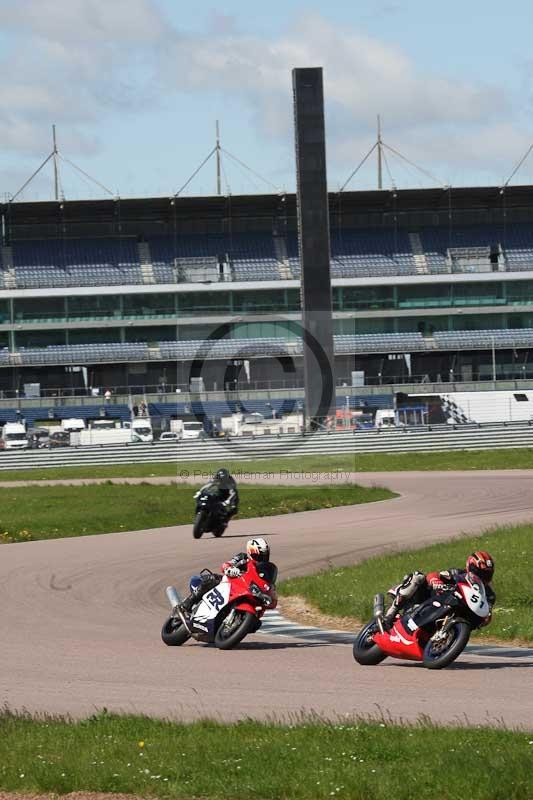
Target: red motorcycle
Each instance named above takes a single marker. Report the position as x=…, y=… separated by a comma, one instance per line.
x=226, y=613
x=434, y=632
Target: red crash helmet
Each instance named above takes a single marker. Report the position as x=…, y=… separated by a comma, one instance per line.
x=481, y=564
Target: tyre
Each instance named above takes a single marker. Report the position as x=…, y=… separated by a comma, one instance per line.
x=174, y=632
x=440, y=654
x=229, y=634
x=219, y=530
x=198, y=527
x=365, y=652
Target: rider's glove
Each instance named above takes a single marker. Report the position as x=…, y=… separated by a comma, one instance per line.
x=232, y=572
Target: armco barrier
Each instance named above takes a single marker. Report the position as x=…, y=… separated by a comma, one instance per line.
x=403, y=440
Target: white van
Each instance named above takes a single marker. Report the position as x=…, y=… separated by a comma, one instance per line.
x=14, y=436
x=72, y=425
x=385, y=418
x=191, y=430
x=141, y=430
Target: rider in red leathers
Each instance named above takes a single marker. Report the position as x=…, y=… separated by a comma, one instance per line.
x=256, y=549
x=418, y=586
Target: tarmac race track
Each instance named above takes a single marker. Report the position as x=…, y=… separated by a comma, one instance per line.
x=80, y=618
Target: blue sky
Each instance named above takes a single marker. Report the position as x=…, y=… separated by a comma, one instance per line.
x=135, y=87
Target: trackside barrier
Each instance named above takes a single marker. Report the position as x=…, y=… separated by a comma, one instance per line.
x=403, y=440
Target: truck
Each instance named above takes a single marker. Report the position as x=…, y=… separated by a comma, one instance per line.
x=13, y=436
x=108, y=431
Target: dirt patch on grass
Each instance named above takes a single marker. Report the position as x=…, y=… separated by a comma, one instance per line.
x=297, y=609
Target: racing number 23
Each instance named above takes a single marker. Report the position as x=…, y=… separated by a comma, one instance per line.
x=215, y=599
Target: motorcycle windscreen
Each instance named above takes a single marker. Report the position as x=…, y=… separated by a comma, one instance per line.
x=267, y=570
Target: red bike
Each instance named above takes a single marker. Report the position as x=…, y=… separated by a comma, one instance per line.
x=434, y=632
x=226, y=613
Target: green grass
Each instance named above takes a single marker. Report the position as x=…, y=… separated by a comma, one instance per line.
x=307, y=760
x=52, y=512
x=516, y=458
x=349, y=591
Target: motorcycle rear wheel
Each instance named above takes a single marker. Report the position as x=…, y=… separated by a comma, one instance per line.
x=365, y=652
x=198, y=527
x=226, y=639
x=438, y=659
x=174, y=632
x=218, y=531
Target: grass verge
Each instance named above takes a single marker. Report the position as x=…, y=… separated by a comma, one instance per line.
x=153, y=758
x=516, y=458
x=349, y=591
x=52, y=512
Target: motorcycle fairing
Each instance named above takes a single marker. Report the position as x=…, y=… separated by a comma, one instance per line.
x=401, y=642
x=474, y=595
x=209, y=608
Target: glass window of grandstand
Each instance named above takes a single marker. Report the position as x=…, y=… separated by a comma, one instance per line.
x=361, y=326
x=90, y=307
x=39, y=338
x=40, y=309
x=425, y=296
x=94, y=336
x=519, y=292
x=355, y=298
x=152, y=334
x=196, y=332
x=478, y=294
x=519, y=321
x=4, y=339
x=261, y=330
x=197, y=304
x=477, y=322
x=265, y=301
x=145, y=306
x=4, y=311
x=423, y=325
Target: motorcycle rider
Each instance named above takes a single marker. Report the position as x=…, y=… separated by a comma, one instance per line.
x=257, y=549
x=417, y=587
x=224, y=487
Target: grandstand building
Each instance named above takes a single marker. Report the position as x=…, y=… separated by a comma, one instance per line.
x=145, y=294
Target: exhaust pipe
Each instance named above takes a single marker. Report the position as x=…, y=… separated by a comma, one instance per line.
x=379, y=607
x=173, y=597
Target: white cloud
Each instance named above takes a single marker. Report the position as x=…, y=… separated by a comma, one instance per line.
x=81, y=63
x=74, y=62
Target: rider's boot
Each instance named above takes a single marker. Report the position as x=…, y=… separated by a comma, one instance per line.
x=390, y=615
x=186, y=605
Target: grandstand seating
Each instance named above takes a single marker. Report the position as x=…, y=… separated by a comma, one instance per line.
x=204, y=349
x=76, y=262
x=251, y=256
x=521, y=337
x=263, y=347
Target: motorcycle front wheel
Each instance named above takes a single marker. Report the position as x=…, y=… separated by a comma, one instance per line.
x=234, y=628
x=174, y=632
x=198, y=527
x=365, y=652
x=441, y=653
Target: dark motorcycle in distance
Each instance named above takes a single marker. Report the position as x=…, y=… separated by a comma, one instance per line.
x=211, y=515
